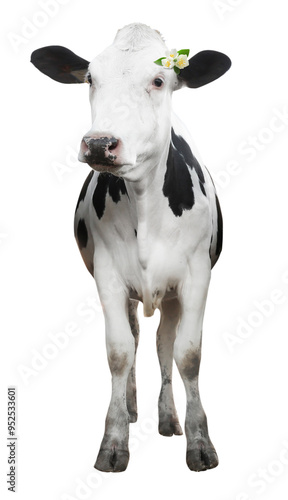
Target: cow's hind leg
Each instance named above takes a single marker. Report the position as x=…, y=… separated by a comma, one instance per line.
x=201, y=454
x=131, y=383
x=168, y=419
x=114, y=454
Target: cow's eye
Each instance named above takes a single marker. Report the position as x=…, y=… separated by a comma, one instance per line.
x=89, y=79
x=158, y=82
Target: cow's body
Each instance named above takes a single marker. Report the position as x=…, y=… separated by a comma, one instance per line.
x=147, y=243
x=148, y=225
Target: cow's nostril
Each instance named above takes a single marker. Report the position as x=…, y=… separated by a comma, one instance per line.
x=113, y=144
x=85, y=145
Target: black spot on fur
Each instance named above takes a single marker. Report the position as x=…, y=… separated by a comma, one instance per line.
x=115, y=186
x=99, y=195
x=184, y=150
x=219, y=236
x=178, y=186
x=84, y=189
x=82, y=234
x=220, y=228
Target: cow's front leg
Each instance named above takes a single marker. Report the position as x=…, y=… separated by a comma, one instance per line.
x=114, y=453
x=201, y=454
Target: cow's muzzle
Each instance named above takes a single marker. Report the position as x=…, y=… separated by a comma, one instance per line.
x=99, y=150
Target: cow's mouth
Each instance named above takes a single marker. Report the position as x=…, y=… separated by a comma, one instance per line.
x=109, y=161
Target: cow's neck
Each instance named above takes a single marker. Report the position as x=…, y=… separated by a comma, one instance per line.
x=147, y=199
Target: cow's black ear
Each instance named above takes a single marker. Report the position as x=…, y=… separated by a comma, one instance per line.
x=60, y=64
x=204, y=67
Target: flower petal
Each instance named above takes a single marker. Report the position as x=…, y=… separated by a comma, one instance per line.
x=168, y=63
x=182, y=61
x=171, y=53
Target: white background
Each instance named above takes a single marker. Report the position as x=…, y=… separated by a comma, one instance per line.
x=45, y=287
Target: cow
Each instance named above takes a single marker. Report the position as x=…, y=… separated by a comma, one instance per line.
x=148, y=224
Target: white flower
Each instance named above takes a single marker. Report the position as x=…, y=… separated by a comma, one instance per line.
x=174, y=59
x=171, y=54
x=182, y=61
x=168, y=63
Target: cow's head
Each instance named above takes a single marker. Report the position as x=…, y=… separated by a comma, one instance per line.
x=130, y=96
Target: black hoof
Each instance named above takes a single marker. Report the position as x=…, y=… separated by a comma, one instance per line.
x=170, y=426
x=202, y=456
x=112, y=460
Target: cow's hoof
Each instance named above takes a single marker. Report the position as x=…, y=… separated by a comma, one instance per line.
x=112, y=460
x=169, y=426
x=202, y=456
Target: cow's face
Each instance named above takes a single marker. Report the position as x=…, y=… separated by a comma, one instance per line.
x=130, y=100
x=130, y=97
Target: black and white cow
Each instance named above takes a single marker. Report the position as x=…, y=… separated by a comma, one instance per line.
x=148, y=224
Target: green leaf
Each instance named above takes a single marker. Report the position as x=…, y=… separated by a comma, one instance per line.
x=184, y=52
x=177, y=70
x=159, y=61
